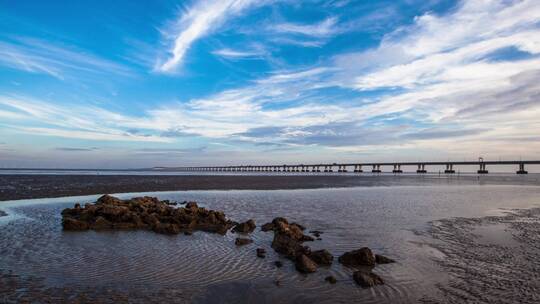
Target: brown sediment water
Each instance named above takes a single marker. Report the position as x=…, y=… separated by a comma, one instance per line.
x=41, y=261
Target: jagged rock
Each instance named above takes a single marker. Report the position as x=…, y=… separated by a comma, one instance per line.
x=101, y=223
x=246, y=227
x=241, y=241
x=73, y=224
x=367, y=279
x=261, y=253
x=360, y=257
x=330, y=279
x=267, y=227
x=381, y=259
x=191, y=205
x=322, y=257
x=288, y=238
x=2, y=213
x=149, y=213
x=305, y=264
x=299, y=226
x=278, y=264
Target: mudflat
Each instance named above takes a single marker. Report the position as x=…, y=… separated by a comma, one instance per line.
x=29, y=186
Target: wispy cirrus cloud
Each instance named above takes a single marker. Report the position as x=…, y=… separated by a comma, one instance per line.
x=325, y=28
x=197, y=22
x=239, y=54
x=57, y=60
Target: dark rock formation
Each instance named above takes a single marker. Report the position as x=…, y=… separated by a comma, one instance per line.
x=322, y=257
x=2, y=213
x=246, y=227
x=267, y=227
x=143, y=213
x=261, y=253
x=278, y=264
x=288, y=239
x=330, y=279
x=305, y=264
x=241, y=241
x=367, y=279
x=360, y=257
x=381, y=259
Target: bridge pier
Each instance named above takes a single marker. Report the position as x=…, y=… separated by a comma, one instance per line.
x=521, y=169
x=397, y=169
x=376, y=169
x=449, y=169
x=482, y=169
x=421, y=168
x=358, y=169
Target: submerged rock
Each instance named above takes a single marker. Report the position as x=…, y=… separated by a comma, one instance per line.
x=381, y=259
x=360, y=257
x=147, y=213
x=242, y=241
x=261, y=253
x=2, y=213
x=367, y=279
x=246, y=227
x=278, y=264
x=305, y=264
x=331, y=279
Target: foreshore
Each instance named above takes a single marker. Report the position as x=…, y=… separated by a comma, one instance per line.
x=30, y=186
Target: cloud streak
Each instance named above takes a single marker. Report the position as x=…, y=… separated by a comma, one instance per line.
x=199, y=21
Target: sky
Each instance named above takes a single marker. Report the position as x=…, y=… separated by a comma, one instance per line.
x=131, y=84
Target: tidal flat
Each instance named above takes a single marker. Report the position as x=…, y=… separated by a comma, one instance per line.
x=452, y=242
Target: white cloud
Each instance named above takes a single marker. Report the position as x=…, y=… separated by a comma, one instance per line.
x=236, y=54
x=325, y=28
x=198, y=21
x=36, y=56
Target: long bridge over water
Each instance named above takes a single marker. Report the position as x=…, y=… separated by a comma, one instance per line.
x=374, y=167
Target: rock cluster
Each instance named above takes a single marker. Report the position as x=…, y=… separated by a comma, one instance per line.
x=148, y=213
x=364, y=257
x=246, y=227
x=163, y=217
x=288, y=240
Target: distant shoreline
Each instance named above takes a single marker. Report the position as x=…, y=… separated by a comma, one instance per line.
x=30, y=186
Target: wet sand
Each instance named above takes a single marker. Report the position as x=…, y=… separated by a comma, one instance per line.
x=491, y=259
x=28, y=186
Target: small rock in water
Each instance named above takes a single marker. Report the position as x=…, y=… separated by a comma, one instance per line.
x=242, y=241
x=277, y=282
x=261, y=253
x=381, y=259
x=188, y=232
x=316, y=233
x=367, y=279
x=305, y=264
x=246, y=227
x=278, y=264
x=360, y=257
x=330, y=279
x=2, y=213
x=319, y=239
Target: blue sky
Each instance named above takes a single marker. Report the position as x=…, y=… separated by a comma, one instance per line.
x=116, y=84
